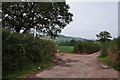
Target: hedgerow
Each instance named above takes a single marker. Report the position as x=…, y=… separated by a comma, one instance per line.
x=19, y=50
x=114, y=53
x=86, y=47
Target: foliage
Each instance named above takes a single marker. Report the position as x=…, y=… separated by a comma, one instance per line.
x=63, y=43
x=19, y=50
x=103, y=36
x=104, y=50
x=113, y=51
x=108, y=62
x=67, y=43
x=66, y=49
x=113, y=57
x=33, y=67
x=87, y=47
x=118, y=47
x=48, y=17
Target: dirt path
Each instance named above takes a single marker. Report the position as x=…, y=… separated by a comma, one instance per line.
x=76, y=66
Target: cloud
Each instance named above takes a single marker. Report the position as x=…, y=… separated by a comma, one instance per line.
x=90, y=18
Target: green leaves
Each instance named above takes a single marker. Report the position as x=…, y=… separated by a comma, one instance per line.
x=19, y=50
x=103, y=36
x=87, y=47
x=49, y=17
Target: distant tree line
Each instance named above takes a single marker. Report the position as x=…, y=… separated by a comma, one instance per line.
x=67, y=43
x=71, y=42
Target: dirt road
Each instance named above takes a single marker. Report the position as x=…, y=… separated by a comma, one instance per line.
x=77, y=66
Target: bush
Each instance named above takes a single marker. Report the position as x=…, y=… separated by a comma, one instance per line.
x=113, y=52
x=19, y=50
x=86, y=47
x=104, y=50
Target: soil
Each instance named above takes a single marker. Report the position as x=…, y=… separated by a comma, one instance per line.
x=72, y=65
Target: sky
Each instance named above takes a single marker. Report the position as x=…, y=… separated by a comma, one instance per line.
x=90, y=18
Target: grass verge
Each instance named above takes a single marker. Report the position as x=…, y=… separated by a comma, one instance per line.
x=66, y=49
x=28, y=69
x=105, y=60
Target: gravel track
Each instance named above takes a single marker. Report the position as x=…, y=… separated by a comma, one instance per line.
x=70, y=65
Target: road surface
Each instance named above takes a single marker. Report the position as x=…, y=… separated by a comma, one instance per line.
x=76, y=66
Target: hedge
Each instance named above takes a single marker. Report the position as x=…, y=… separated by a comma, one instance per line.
x=111, y=52
x=87, y=47
x=19, y=50
x=114, y=53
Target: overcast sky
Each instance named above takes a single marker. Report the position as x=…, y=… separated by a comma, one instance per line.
x=91, y=18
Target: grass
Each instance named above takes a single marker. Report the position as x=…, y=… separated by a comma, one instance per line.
x=66, y=49
x=106, y=61
x=28, y=69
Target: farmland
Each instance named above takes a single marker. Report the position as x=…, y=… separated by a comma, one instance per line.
x=66, y=49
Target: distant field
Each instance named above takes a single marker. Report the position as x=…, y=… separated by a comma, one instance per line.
x=63, y=39
x=66, y=49
x=98, y=43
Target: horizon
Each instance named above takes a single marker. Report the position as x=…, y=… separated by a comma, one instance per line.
x=84, y=38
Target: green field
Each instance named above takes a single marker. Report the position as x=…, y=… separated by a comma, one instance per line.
x=63, y=39
x=66, y=49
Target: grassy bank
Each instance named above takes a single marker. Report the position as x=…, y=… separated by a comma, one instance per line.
x=108, y=62
x=28, y=69
x=110, y=53
x=23, y=54
x=66, y=49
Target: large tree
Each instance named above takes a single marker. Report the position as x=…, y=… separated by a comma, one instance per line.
x=48, y=17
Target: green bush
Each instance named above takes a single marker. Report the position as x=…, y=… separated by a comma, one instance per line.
x=104, y=50
x=86, y=47
x=19, y=50
x=113, y=52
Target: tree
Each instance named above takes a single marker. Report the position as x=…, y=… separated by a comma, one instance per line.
x=48, y=17
x=103, y=36
x=72, y=42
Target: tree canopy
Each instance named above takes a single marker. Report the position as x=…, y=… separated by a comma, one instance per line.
x=49, y=18
x=103, y=36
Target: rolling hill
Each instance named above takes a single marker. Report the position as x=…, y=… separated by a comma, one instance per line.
x=68, y=38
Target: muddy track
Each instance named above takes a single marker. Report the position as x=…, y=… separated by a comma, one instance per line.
x=76, y=66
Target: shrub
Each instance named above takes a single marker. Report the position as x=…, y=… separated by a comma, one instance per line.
x=113, y=52
x=104, y=50
x=19, y=50
x=86, y=47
